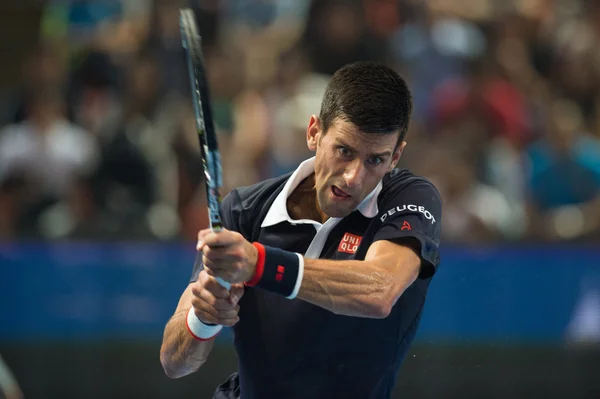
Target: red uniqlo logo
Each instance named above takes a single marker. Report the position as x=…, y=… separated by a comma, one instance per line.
x=406, y=226
x=280, y=271
x=349, y=243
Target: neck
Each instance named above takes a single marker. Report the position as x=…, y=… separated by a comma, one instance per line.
x=43, y=123
x=303, y=203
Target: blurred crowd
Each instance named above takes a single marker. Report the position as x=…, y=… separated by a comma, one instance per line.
x=98, y=138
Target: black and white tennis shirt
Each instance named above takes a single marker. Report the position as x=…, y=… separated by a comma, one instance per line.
x=291, y=349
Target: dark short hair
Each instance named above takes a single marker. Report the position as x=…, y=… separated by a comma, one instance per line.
x=371, y=96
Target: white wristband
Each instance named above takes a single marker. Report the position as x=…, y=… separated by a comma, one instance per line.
x=199, y=330
x=299, y=278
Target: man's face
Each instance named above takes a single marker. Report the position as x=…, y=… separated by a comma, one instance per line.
x=349, y=164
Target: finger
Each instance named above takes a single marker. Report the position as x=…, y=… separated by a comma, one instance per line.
x=215, y=253
x=229, y=318
x=219, y=304
x=209, y=314
x=206, y=317
x=217, y=290
x=231, y=253
x=228, y=268
x=224, y=270
x=208, y=280
x=229, y=322
x=204, y=275
x=235, y=293
x=201, y=235
x=214, y=305
x=228, y=314
x=222, y=238
x=197, y=288
x=204, y=311
x=223, y=305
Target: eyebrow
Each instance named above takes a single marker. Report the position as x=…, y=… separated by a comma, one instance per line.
x=379, y=154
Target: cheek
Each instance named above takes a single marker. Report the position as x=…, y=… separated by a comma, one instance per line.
x=318, y=172
x=323, y=175
x=371, y=182
x=322, y=163
x=328, y=170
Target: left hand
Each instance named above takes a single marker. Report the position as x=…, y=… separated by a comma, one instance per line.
x=228, y=255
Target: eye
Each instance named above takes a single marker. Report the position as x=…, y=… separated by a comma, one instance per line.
x=375, y=160
x=344, y=151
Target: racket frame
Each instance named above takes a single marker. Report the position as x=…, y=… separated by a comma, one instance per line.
x=207, y=137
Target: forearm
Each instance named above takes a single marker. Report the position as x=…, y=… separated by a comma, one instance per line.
x=350, y=288
x=368, y=288
x=180, y=353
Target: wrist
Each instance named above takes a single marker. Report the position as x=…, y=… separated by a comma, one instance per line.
x=199, y=330
x=277, y=271
x=259, y=266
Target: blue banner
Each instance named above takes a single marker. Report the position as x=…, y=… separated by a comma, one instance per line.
x=129, y=290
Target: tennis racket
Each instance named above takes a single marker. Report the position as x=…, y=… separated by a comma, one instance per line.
x=211, y=158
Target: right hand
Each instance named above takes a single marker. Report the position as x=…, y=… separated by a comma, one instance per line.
x=213, y=304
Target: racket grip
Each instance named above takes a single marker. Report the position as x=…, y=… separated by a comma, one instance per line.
x=224, y=283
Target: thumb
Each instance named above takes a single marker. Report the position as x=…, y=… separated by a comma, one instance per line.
x=201, y=235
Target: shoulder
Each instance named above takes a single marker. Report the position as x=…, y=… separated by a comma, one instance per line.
x=13, y=131
x=256, y=196
x=15, y=138
x=244, y=206
x=404, y=183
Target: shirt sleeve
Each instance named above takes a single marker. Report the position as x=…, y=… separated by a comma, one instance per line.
x=415, y=212
x=231, y=207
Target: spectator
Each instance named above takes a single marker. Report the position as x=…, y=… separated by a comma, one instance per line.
x=474, y=212
x=564, y=178
x=50, y=153
x=43, y=66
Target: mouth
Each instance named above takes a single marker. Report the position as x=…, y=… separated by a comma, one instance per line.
x=339, y=194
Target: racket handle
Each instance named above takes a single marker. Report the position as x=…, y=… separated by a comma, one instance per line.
x=224, y=283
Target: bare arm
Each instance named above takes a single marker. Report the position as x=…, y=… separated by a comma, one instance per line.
x=361, y=288
x=366, y=288
x=180, y=353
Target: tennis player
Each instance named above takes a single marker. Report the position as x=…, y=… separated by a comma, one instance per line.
x=330, y=264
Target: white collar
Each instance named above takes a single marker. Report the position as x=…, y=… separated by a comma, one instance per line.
x=278, y=212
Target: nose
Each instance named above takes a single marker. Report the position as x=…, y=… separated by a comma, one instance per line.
x=354, y=173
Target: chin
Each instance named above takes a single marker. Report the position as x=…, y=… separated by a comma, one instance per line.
x=335, y=211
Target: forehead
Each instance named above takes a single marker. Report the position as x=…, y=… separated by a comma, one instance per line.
x=349, y=134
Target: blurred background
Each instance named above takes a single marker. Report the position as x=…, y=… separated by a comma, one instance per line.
x=101, y=190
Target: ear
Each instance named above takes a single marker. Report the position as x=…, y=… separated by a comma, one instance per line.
x=397, y=155
x=313, y=132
